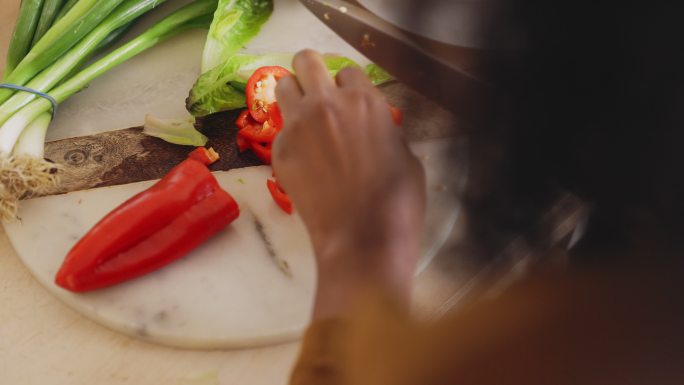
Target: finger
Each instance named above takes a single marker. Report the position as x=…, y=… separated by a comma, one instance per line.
x=353, y=78
x=312, y=74
x=279, y=150
x=288, y=94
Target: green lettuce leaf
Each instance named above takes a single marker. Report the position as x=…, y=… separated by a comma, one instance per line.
x=176, y=131
x=223, y=87
x=377, y=75
x=235, y=23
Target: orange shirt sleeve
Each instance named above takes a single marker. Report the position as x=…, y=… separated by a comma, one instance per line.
x=589, y=329
x=321, y=359
x=357, y=350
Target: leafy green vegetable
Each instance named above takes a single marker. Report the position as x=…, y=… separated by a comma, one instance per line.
x=223, y=87
x=235, y=23
x=377, y=75
x=212, y=91
x=176, y=131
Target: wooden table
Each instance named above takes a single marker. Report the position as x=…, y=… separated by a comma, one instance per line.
x=42, y=341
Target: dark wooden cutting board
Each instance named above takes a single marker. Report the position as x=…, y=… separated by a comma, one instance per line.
x=128, y=155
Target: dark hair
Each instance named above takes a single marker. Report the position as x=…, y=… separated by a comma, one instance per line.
x=589, y=99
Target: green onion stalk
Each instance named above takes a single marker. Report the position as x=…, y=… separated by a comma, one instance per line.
x=102, y=47
x=26, y=169
x=29, y=15
x=64, y=34
x=47, y=17
x=23, y=174
x=46, y=80
x=65, y=8
x=23, y=171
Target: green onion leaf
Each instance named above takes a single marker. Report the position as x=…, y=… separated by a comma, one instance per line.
x=66, y=33
x=124, y=15
x=193, y=15
x=65, y=9
x=47, y=16
x=29, y=15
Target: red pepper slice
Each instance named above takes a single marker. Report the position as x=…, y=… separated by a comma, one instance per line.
x=262, y=133
x=242, y=143
x=275, y=118
x=262, y=151
x=204, y=156
x=397, y=115
x=261, y=91
x=150, y=230
x=279, y=196
x=244, y=119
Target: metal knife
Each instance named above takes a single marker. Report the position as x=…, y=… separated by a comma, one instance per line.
x=429, y=74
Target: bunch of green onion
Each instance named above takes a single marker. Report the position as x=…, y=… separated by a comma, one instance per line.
x=51, y=47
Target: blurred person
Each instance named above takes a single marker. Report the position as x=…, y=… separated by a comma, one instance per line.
x=589, y=102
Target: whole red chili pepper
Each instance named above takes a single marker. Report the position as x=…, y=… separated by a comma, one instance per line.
x=150, y=230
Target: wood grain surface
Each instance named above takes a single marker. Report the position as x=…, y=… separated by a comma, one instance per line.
x=127, y=155
x=42, y=341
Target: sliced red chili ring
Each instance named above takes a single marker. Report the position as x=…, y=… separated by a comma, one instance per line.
x=204, y=155
x=244, y=119
x=262, y=151
x=242, y=143
x=262, y=133
x=261, y=91
x=279, y=196
x=397, y=115
x=275, y=118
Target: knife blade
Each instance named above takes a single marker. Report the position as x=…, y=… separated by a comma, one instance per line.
x=431, y=75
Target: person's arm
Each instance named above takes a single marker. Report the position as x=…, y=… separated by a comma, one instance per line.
x=354, y=182
x=618, y=325
x=360, y=193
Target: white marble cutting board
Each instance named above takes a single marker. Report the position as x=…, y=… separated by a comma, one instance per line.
x=228, y=293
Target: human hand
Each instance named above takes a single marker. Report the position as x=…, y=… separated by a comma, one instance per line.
x=353, y=180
